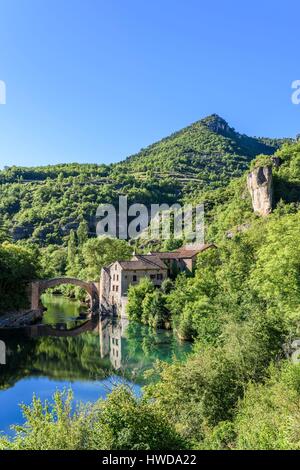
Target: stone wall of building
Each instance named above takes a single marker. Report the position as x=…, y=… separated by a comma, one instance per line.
x=104, y=296
x=128, y=277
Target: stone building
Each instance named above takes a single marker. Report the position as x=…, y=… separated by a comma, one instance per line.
x=118, y=276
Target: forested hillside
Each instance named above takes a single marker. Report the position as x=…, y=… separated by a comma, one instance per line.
x=52, y=208
x=237, y=390
x=43, y=204
x=241, y=307
x=209, y=150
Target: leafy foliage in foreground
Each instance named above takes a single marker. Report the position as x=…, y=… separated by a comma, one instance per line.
x=268, y=417
x=120, y=422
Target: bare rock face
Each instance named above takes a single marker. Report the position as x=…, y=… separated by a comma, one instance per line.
x=260, y=185
x=217, y=124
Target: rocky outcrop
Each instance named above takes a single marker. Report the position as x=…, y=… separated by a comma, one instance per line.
x=239, y=229
x=217, y=124
x=260, y=185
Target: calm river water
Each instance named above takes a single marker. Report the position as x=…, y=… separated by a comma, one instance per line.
x=90, y=363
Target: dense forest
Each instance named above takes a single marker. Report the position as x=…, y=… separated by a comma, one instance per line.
x=237, y=389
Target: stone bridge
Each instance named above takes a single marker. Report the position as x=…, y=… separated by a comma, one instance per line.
x=38, y=287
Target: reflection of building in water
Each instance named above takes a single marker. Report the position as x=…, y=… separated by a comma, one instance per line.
x=110, y=335
x=2, y=353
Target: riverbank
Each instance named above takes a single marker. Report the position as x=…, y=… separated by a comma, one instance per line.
x=20, y=319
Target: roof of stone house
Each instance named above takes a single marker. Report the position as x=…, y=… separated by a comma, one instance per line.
x=182, y=253
x=143, y=262
x=156, y=260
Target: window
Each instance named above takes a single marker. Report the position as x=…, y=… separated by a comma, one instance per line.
x=152, y=276
x=159, y=277
x=134, y=278
x=117, y=288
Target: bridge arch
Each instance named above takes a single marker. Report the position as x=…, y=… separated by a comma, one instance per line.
x=38, y=287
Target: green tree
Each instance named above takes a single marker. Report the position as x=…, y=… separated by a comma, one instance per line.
x=102, y=251
x=122, y=422
x=72, y=249
x=154, y=311
x=268, y=416
x=82, y=233
x=4, y=233
x=18, y=266
x=136, y=295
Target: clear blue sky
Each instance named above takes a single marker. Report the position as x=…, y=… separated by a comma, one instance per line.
x=96, y=80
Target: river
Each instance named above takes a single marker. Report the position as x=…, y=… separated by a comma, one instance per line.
x=91, y=363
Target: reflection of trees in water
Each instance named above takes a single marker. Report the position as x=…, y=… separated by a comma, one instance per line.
x=59, y=358
x=78, y=358
x=144, y=345
x=70, y=358
x=20, y=353
x=141, y=342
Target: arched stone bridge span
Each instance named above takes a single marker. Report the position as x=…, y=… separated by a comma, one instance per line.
x=38, y=287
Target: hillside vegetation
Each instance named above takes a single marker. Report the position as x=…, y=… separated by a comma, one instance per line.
x=237, y=390
x=43, y=204
x=241, y=308
x=209, y=150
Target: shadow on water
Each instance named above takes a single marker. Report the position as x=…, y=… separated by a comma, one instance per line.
x=87, y=356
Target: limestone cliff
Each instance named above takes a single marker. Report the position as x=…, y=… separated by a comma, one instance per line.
x=260, y=185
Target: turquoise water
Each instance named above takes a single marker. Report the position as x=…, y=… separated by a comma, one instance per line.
x=91, y=363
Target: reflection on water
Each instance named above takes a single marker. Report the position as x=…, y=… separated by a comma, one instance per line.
x=110, y=337
x=133, y=348
x=89, y=358
x=62, y=312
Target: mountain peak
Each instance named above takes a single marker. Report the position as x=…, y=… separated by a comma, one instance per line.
x=216, y=124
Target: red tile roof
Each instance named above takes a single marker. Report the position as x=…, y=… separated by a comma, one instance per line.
x=156, y=260
x=143, y=262
x=183, y=252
